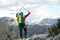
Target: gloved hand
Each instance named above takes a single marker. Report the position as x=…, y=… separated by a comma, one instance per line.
x=16, y=14
x=29, y=12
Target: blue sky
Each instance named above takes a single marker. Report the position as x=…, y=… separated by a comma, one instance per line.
x=39, y=8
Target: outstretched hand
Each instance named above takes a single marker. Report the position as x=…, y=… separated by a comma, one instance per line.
x=29, y=12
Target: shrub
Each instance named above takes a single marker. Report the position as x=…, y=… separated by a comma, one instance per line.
x=54, y=30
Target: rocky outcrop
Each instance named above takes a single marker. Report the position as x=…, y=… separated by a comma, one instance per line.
x=6, y=33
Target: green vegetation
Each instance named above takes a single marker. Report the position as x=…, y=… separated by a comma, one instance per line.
x=54, y=30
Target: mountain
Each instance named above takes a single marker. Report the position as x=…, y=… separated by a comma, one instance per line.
x=32, y=29
x=43, y=21
x=8, y=29
x=48, y=21
x=44, y=37
x=11, y=22
x=35, y=30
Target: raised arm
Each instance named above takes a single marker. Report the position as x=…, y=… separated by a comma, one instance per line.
x=16, y=14
x=26, y=15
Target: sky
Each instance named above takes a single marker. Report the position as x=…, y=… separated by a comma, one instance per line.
x=39, y=8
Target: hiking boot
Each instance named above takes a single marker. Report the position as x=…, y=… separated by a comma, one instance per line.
x=25, y=36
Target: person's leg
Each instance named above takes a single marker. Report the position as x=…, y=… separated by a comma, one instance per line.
x=25, y=32
x=20, y=28
x=21, y=33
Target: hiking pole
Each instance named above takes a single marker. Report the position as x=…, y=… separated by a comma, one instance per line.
x=22, y=7
x=26, y=9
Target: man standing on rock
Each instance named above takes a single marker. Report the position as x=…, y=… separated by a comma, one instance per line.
x=21, y=21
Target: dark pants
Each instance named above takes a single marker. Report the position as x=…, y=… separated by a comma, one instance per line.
x=21, y=27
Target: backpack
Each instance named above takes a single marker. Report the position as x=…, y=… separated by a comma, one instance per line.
x=20, y=18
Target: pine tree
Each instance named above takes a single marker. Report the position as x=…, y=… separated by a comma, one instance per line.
x=55, y=30
x=58, y=23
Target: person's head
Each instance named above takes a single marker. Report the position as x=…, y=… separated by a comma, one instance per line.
x=21, y=13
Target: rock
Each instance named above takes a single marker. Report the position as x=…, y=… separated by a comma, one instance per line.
x=6, y=33
x=50, y=38
x=39, y=37
x=57, y=37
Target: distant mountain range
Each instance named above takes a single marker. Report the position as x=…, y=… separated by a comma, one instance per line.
x=45, y=21
x=36, y=28
x=49, y=21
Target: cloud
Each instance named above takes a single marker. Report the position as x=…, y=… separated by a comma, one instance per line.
x=38, y=7
x=15, y=4
x=7, y=2
x=49, y=2
x=53, y=2
x=36, y=1
x=13, y=8
x=18, y=7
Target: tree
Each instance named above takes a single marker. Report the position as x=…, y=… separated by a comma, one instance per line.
x=54, y=30
x=58, y=23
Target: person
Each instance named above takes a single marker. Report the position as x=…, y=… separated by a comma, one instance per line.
x=21, y=21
